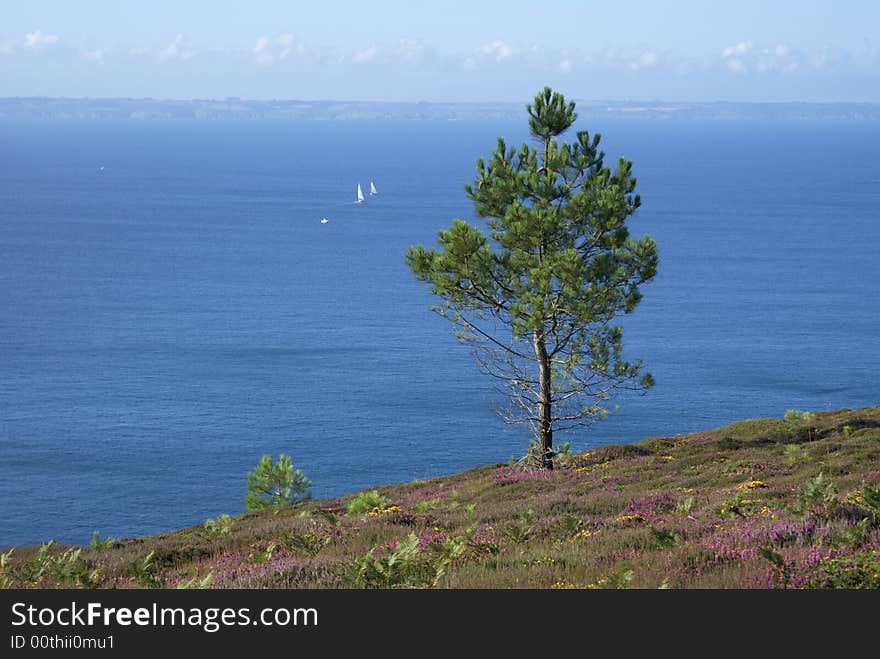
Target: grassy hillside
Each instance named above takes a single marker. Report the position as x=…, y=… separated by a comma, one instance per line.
x=761, y=503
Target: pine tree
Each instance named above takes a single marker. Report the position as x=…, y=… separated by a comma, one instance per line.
x=275, y=484
x=537, y=295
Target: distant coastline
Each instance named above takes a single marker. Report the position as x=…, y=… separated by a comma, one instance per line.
x=12, y=108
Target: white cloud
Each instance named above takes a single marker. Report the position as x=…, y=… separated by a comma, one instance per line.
x=739, y=49
x=96, y=55
x=262, y=53
x=743, y=57
x=365, y=55
x=37, y=39
x=285, y=41
x=411, y=50
x=736, y=66
x=780, y=59
x=287, y=45
x=176, y=50
x=565, y=66
x=269, y=50
x=825, y=58
x=646, y=60
x=498, y=50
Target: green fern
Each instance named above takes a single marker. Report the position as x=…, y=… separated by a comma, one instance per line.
x=196, y=583
x=818, y=496
x=101, y=545
x=364, y=502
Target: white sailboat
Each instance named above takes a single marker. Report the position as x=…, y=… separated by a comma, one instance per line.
x=360, y=194
x=373, y=190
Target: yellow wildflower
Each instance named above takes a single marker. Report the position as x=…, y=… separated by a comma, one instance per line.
x=384, y=511
x=856, y=496
x=581, y=535
x=629, y=518
x=751, y=485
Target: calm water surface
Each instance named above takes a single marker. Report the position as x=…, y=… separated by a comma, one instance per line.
x=169, y=318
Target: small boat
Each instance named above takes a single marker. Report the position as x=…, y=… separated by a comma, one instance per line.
x=373, y=190
x=324, y=220
x=360, y=194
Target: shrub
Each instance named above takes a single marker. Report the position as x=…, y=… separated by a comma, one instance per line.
x=779, y=566
x=409, y=564
x=365, y=502
x=798, y=415
x=308, y=543
x=570, y=526
x=792, y=453
x=219, y=527
x=145, y=571
x=327, y=515
x=259, y=556
x=684, y=506
x=516, y=534
x=664, y=538
x=426, y=505
x=276, y=484
x=6, y=580
x=739, y=505
x=852, y=535
x=33, y=571
x=101, y=545
x=46, y=569
x=69, y=567
x=818, y=496
x=618, y=579
x=850, y=572
x=196, y=583
x=869, y=500
x=389, y=569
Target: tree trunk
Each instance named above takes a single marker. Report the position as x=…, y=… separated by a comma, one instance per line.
x=545, y=423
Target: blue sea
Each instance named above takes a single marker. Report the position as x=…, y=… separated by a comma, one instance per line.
x=171, y=306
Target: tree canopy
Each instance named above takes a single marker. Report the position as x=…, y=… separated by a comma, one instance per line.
x=276, y=484
x=537, y=293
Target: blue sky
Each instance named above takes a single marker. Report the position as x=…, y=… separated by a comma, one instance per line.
x=450, y=51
